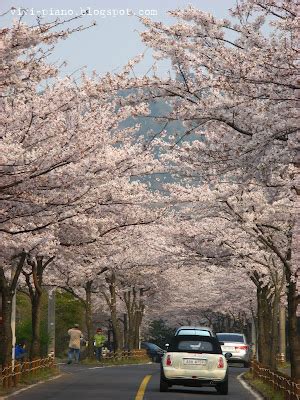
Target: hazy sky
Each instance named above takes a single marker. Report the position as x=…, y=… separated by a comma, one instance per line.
x=115, y=39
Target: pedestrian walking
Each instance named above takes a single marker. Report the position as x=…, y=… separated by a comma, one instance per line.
x=99, y=340
x=74, y=344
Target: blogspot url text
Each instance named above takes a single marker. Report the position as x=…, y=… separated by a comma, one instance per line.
x=89, y=11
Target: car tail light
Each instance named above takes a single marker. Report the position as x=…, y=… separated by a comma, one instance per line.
x=221, y=362
x=169, y=361
x=241, y=347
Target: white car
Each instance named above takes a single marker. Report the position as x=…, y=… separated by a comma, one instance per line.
x=194, y=361
x=236, y=344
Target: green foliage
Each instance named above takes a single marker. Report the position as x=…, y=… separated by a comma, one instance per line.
x=23, y=322
x=159, y=333
x=68, y=311
x=43, y=375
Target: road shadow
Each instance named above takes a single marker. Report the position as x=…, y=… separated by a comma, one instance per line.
x=192, y=391
x=235, y=364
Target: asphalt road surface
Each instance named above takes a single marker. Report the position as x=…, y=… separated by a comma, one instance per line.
x=139, y=382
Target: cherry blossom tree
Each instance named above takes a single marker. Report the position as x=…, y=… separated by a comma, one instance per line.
x=70, y=170
x=98, y=246
x=51, y=139
x=23, y=50
x=246, y=229
x=234, y=89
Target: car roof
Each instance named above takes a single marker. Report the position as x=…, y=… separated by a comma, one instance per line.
x=195, y=337
x=230, y=333
x=195, y=327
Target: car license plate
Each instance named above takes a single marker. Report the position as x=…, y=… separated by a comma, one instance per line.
x=192, y=361
x=228, y=348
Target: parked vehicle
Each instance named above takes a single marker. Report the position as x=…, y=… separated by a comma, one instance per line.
x=236, y=344
x=195, y=330
x=194, y=361
x=153, y=351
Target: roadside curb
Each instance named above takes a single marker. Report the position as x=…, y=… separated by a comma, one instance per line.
x=253, y=391
x=30, y=387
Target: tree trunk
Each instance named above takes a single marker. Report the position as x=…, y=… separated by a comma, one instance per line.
x=126, y=337
x=7, y=290
x=35, y=349
x=89, y=320
x=111, y=300
x=34, y=282
x=274, y=337
x=6, y=333
x=130, y=303
x=294, y=337
x=130, y=331
x=264, y=315
x=118, y=342
x=135, y=311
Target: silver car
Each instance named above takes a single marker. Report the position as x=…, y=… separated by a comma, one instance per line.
x=195, y=330
x=236, y=344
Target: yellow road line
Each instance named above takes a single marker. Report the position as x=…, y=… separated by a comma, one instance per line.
x=142, y=388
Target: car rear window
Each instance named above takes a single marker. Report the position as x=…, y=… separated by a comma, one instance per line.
x=197, y=345
x=193, y=332
x=230, y=338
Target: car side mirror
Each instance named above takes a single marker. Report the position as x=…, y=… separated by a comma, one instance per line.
x=228, y=356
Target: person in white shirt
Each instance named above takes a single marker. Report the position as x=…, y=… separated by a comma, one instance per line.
x=74, y=343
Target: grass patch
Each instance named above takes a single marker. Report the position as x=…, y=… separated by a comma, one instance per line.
x=42, y=375
x=120, y=361
x=264, y=389
x=31, y=379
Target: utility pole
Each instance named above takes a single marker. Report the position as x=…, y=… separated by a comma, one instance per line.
x=51, y=322
x=282, y=334
x=125, y=321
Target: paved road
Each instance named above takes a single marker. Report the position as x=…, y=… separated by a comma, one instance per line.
x=122, y=383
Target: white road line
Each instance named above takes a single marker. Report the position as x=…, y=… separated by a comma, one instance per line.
x=113, y=366
x=29, y=387
x=103, y=366
x=249, y=388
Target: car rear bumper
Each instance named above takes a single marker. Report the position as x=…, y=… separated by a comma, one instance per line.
x=195, y=382
x=239, y=358
x=177, y=374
